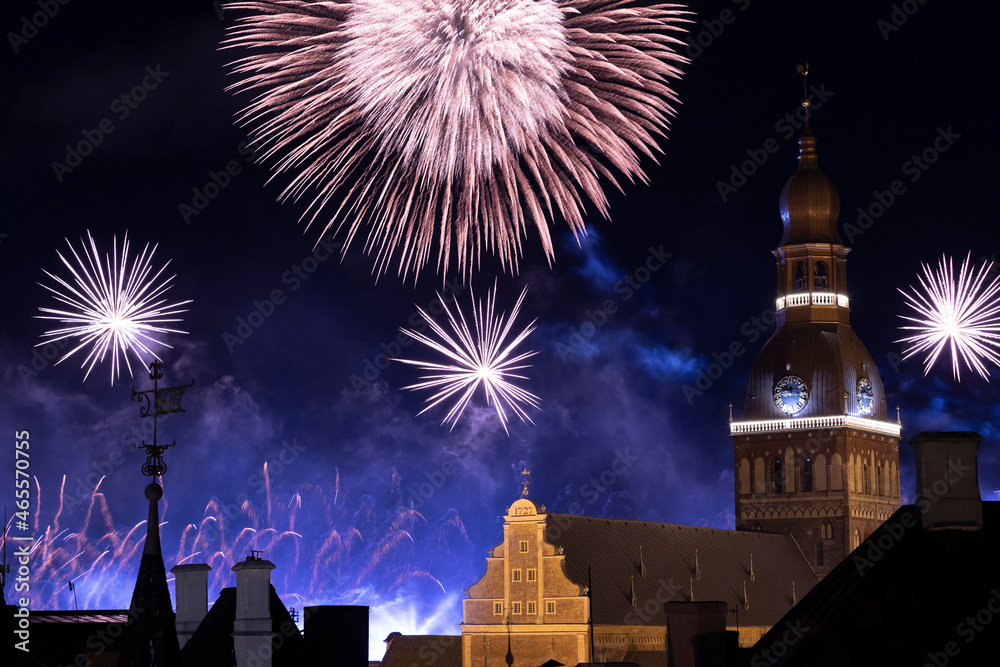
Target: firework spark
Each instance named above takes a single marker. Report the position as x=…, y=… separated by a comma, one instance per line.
x=485, y=357
x=115, y=305
x=455, y=123
x=963, y=314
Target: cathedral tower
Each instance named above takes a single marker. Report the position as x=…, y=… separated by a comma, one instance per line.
x=815, y=456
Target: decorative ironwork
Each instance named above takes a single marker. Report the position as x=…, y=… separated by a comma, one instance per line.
x=153, y=403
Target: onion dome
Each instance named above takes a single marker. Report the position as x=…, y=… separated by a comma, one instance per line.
x=809, y=202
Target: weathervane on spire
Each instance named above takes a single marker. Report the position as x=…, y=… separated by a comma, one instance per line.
x=524, y=482
x=804, y=71
x=165, y=401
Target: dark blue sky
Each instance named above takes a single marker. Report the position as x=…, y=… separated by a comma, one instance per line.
x=307, y=382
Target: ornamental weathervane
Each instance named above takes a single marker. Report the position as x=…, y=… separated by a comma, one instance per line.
x=164, y=402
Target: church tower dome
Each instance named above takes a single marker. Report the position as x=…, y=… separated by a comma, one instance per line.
x=809, y=203
x=815, y=454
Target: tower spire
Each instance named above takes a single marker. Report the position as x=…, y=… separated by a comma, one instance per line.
x=804, y=71
x=151, y=636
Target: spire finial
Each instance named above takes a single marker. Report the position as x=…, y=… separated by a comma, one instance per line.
x=804, y=71
x=524, y=482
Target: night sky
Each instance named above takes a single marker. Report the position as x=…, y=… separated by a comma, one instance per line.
x=310, y=391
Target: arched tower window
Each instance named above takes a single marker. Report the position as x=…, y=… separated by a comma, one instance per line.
x=800, y=277
x=744, y=476
x=819, y=553
x=864, y=476
x=819, y=277
x=779, y=477
x=856, y=542
x=826, y=531
x=807, y=475
x=878, y=479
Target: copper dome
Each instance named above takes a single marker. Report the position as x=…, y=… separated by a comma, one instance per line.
x=830, y=358
x=809, y=202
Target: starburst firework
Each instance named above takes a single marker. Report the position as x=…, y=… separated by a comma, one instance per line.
x=963, y=314
x=481, y=354
x=455, y=123
x=115, y=305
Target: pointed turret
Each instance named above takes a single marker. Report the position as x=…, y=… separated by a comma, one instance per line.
x=151, y=635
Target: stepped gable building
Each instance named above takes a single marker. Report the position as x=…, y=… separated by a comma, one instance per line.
x=815, y=457
x=535, y=601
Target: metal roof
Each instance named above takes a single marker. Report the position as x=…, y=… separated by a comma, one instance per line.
x=667, y=571
x=423, y=651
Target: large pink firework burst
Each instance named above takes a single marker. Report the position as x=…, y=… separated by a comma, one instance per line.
x=455, y=124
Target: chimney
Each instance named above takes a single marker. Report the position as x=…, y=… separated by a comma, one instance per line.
x=252, y=627
x=191, y=593
x=948, y=479
x=696, y=634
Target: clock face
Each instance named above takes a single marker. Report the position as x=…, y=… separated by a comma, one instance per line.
x=790, y=394
x=866, y=396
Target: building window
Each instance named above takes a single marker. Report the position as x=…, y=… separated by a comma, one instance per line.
x=524, y=546
x=531, y=574
x=517, y=607
x=800, y=277
x=857, y=539
x=550, y=607
x=498, y=608
x=819, y=277
x=867, y=488
x=819, y=554
x=779, y=480
x=826, y=530
x=531, y=607
x=515, y=575
x=807, y=476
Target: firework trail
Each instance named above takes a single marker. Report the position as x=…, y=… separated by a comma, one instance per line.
x=455, y=124
x=963, y=314
x=115, y=306
x=484, y=356
x=329, y=548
